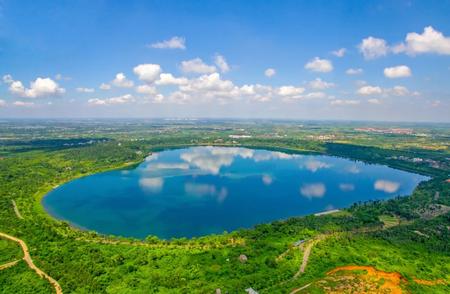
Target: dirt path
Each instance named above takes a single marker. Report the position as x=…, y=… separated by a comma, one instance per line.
x=307, y=252
x=16, y=210
x=29, y=261
x=305, y=259
x=300, y=289
x=9, y=264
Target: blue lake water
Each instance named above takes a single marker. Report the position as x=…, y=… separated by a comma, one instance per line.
x=203, y=190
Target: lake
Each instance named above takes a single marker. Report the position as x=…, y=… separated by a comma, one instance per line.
x=204, y=190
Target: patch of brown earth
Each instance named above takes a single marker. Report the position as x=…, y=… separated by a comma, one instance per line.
x=433, y=210
x=388, y=282
x=368, y=280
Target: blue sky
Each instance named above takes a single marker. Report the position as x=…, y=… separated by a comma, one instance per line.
x=352, y=60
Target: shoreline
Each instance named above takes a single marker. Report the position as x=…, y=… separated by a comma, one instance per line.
x=327, y=212
x=127, y=165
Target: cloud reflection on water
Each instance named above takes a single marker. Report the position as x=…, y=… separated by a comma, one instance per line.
x=344, y=187
x=315, y=165
x=151, y=157
x=212, y=159
x=386, y=186
x=353, y=169
x=313, y=190
x=267, y=180
x=153, y=185
x=202, y=190
x=271, y=155
x=163, y=165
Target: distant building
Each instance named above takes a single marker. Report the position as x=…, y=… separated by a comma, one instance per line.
x=299, y=242
x=243, y=258
x=239, y=136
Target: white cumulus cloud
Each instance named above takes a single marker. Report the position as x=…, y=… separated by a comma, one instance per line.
x=340, y=52
x=147, y=72
x=290, y=91
x=430, y=41
x=398, y=91
x=105, y=86
x=197, y=65
x=369, y=90
x=23, y=104
x=221, y=63
x=354, y=71
x=270, y=72
x=41, y=87
x=112, y=101
x=206, y=87
x=319, y=65
x=374, y=101
x=257, y=92
x=59, y=77
x=172, y=43
x=313, y=95
x=343, y=102
x=375, y=90
x=121, y=81
x=319, y=84
x=212, y=82
x=400, y=71
x=166, y=79
x=85, y=90
x=372, y=48
x=7, y=79
x=146, y=89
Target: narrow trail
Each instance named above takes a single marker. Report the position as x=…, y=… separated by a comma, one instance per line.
x=307, y=248
x=300, y=289
x=29, y=261
x=307, y=253
x=305, y=259
x=310, y=244
x=16, y=210
x=9, y=264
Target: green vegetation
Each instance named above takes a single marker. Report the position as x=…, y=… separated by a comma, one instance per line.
x=408, y=235
x=9, y=251
x=389, y=221
x=20, y=279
